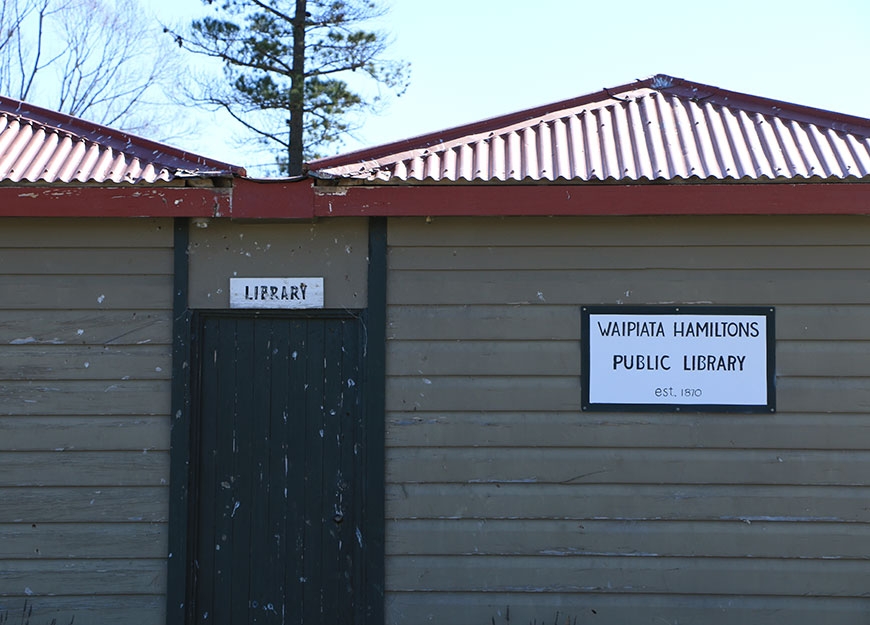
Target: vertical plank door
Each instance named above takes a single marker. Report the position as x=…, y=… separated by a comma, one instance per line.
x=277, y=411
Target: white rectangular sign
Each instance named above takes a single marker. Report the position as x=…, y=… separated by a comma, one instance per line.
x=648, y=357
x=276, y=292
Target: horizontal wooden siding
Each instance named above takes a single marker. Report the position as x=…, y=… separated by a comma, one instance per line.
x=85, y=364
x=506, y=503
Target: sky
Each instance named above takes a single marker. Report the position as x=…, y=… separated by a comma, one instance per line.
x=475, y=59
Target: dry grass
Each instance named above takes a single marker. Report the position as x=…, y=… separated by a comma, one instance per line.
x=558, y=619
x=24, y=617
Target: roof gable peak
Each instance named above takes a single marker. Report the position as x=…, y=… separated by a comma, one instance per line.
x=661, y=127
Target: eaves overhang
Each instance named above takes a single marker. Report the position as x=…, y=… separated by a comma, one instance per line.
x=303, y=200
x=593, y=200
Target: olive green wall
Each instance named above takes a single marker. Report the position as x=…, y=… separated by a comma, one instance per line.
x=85, y=364
x=502, y=494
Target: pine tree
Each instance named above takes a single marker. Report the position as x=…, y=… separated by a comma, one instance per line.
x=286, y=67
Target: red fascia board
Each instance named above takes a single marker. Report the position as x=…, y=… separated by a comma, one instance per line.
x=58, y=201
x=249, y=199
x=652, y=199
x=272, y=199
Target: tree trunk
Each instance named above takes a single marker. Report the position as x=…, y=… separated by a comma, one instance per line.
x=297, y=93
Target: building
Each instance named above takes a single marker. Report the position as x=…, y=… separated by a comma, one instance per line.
x=190, y=435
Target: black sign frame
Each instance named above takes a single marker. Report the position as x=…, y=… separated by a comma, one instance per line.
x=768, y=312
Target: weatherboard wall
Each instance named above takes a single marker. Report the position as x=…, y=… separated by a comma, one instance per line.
x=333, y=249
x=502, y=495
x=85, y=363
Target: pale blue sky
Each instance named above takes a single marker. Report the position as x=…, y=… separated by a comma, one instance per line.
x=474, y=59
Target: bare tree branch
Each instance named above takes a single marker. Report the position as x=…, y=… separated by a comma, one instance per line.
x=98, y=59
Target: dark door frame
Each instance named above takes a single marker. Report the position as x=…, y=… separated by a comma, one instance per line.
x=370, y=602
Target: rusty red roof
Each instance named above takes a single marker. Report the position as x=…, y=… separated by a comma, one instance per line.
x=39, y=145
x=661, y=128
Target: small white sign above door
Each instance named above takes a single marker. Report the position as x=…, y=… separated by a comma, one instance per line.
x=276, y=292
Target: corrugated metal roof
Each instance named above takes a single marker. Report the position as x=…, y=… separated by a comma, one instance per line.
x=662, y=128
x=38, y=145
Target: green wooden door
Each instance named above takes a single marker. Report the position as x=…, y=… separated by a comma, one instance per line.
x=276, y=514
